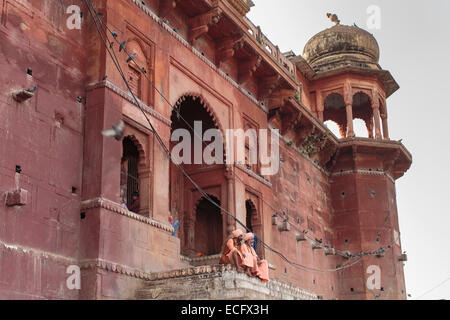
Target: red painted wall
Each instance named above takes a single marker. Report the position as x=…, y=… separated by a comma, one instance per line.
x=57, y=142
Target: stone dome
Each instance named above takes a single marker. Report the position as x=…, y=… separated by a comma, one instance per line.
x=327, y=49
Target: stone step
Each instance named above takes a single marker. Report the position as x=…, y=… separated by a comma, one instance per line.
x=217, y=282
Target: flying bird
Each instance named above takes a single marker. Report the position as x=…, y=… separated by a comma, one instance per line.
x=116, y=131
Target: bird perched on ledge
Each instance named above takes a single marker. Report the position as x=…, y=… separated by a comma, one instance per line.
x=334, y=18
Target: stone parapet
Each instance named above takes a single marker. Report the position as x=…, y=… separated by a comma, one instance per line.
x=217, y=282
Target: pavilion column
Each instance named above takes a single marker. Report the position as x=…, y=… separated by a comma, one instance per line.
x=385, y=126
x=376, y=115
x=320, y=107
x=384, y=119
x=350, y=131
x=348, y=98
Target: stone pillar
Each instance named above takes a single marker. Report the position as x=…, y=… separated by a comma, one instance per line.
x=231, y=225
x=384, y=118
x=348, y=98
x=320, y=107
x=376, y=115
x=189, y=233
x=349, y=110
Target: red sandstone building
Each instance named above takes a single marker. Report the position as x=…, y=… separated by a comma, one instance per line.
x=61, y=179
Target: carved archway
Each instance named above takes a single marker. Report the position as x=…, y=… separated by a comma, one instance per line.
x=334, y=110
x=141, y=175
x=205, y=104
x=185, y=200
x=362, y=109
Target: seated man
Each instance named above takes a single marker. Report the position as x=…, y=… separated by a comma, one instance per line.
x=257, y=267
x=135, y=205
x=231, y=253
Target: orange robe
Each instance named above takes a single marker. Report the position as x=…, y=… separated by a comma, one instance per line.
x=248, y=258
x=261, y=268
x=228, y=251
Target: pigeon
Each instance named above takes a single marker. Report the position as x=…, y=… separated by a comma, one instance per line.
x=122, y=45
x=31, y=90
x=114, y=34
x=166, y=21
x=116, y=131
x=131, y=57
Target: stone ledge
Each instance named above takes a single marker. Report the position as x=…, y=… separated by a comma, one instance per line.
x=117, y=208
x=128, y=97
x=217, y=282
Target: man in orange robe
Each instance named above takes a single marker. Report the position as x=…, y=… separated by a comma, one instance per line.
x=251, y=261
x=231, y=253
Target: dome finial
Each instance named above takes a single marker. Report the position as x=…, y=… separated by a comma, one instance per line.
x=334, y=18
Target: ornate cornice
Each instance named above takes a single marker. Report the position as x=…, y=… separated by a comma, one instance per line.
x=364, y=172
x=127, y=96
x=113, y=267
x=117, y=208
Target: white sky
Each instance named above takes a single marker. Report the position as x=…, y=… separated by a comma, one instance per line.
x=414, y=42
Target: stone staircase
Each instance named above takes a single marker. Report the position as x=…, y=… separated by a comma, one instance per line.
x=217, y=282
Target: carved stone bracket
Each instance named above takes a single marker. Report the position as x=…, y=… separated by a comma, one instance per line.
x=247, y=68
x=226, y=48
x=166, y=6
x=199, y=25
x=267, y=85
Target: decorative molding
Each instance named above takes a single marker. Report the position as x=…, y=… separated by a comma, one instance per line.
x=365, y=172
x=35, y=252
x=117, y=208
x=127, y=96
x=114, y=267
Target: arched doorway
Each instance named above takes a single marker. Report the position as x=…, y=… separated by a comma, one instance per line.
x=202, y=226
x=249, y=209
x=254, y=224
x=208, y=228
x=129, y=175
